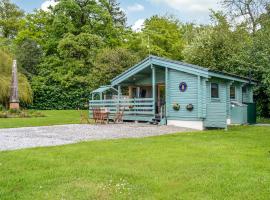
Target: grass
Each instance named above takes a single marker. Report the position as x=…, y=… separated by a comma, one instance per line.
x=52, y=117
x=199, y=165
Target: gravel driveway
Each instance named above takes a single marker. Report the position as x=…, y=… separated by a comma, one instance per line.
x=18, y=138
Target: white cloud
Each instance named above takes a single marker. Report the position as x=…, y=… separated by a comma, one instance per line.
x=45, y=5
x=138, y=25
x=201, y=6
x=135, y=8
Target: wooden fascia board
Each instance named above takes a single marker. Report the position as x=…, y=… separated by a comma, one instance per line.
x=213, y=74
x=182, y=68
x=130, y=72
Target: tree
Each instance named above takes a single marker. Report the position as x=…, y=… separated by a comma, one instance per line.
x=25, y=92
x=219, y=47
x=75, y=31
x=28, y=55
x=259, y=59
x=10, y=19
x=63, y=80
x=118, y=16
x=111, y=62
x=249, y=10
x=35, y=28
x=161, y=36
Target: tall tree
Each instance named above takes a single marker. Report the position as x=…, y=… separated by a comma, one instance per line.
x=219, y=47
x=75, y=32
x=117, y=14
x=161, y=36
x=110, y=63
x=28, y=54
x=247, y=10
x=259, y=59
x=10, y=19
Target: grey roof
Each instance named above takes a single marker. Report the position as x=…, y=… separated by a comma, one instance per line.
x=102, y=89
x=200, y=68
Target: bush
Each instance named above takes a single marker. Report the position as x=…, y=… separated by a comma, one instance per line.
x=12, y=113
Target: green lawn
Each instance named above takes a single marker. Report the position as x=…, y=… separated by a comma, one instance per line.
x=53, y=117
x=199, y=165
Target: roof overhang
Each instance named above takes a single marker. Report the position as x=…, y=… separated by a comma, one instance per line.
x=103, y=89
x=231, y=77
x=156, y=61
x=179, y=66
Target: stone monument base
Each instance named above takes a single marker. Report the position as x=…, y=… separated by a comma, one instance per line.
x=14, y=106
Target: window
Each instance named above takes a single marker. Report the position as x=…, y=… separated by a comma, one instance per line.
x=232, y=92
x=143, y=93
x=134, y=93
x=244, y=89
x=214, y=90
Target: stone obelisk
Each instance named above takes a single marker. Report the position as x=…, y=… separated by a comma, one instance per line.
x=14, y=102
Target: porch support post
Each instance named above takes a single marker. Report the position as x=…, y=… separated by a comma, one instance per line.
x=166, y=92
x=100, y=95
x=229, y=99
x=130, y=91
x=119, y=91
x=154, y=87
x=199, y=100
x=204, y=97
x=137, y=92
x=118, y=97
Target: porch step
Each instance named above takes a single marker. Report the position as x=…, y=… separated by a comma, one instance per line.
x=156, y=120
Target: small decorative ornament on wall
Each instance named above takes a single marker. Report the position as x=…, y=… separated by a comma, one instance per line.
x=176, y=106
x=183, y=86
x=190, y=107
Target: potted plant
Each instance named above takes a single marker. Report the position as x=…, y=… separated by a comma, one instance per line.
x=176, y=106
x=190, y=107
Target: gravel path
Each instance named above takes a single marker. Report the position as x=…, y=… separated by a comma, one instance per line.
x=19, y=138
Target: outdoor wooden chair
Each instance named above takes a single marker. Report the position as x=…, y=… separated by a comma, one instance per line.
x=118, y=118
x=84, y=117
x=96, y=114
x=100, y=115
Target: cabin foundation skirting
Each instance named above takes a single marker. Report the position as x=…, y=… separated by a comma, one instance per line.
x=198, y=125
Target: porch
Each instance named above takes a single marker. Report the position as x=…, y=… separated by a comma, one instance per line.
x=141, y=96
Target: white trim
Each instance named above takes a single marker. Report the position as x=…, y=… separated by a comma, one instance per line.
x=198, y=125
x=229, y=121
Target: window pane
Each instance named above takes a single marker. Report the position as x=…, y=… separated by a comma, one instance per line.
x=232, y=92
x=214, y=90
x=244, y=89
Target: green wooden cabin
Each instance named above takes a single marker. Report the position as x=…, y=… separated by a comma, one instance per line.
x=164, y=91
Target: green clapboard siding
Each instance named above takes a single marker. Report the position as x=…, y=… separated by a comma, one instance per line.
x=216, y=115
x=182, y=98
x=248, y=95
x=239, y=114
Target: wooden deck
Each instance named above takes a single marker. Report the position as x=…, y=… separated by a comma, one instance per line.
x=137, y=109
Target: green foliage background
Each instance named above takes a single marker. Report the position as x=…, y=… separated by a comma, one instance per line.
x=79, y=45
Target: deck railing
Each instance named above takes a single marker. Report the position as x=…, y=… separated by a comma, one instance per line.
x=143, y=106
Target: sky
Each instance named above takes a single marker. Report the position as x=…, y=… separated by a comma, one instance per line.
x=137, y=11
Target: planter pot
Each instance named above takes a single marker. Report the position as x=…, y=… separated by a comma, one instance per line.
x=190, y=107
x=176, y=107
